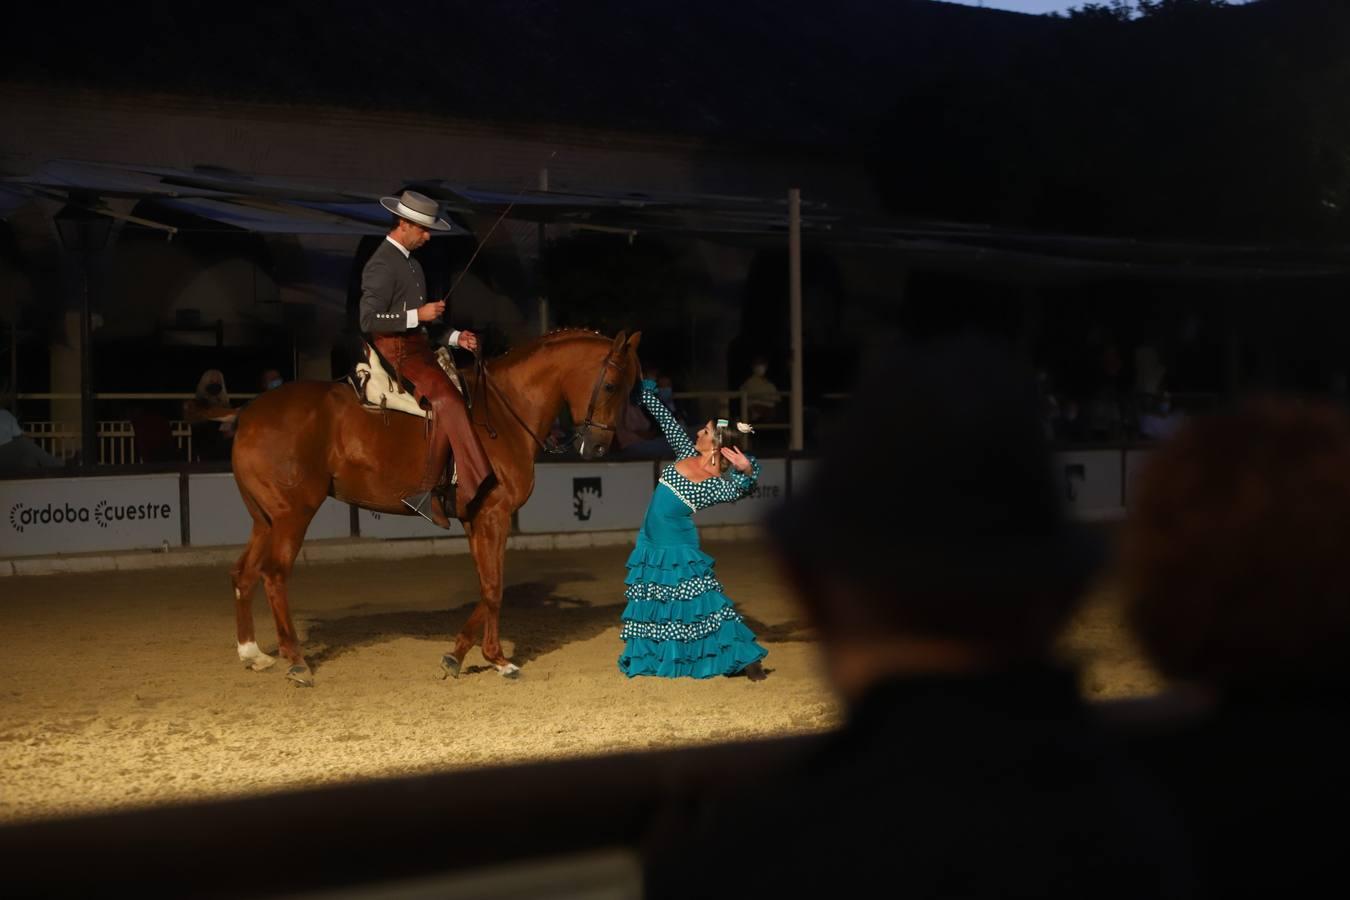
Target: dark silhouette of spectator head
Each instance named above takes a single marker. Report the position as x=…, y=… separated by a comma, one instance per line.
x=1234, y=555
x=1237, y=587
x=935, y=514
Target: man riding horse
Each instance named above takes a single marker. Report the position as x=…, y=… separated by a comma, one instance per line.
x=394, y=310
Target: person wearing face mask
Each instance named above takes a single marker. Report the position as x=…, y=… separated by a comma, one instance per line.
x=211, y=418
x=270, y=380
x=636, y=435
x=761, y=393
x=1162, y=421
x=665, y=392
x=211, y=393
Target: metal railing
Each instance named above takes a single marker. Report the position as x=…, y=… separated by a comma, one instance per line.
x=116, y=440
x=116, y=437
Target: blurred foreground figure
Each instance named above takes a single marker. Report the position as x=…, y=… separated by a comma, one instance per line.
x=1237, y=569
x=931, y=552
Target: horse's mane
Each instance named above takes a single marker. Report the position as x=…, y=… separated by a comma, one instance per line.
x=556, y=336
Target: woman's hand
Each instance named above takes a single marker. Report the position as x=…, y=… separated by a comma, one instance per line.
x=737, y=459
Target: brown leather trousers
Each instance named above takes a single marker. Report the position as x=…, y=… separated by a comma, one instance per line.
x=412, y=356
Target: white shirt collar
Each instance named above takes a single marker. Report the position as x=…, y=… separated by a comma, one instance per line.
x=401, y=249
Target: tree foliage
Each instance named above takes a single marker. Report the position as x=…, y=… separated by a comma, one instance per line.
x=1178, y=118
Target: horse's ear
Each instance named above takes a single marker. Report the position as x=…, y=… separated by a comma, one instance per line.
x=634, y=341
x=619, y=340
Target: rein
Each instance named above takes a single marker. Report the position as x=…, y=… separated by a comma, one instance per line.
x=550, y=446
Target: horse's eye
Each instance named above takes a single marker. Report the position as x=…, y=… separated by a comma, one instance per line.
x=609, y=388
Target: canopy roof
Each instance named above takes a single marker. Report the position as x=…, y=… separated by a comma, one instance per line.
x=218, y=197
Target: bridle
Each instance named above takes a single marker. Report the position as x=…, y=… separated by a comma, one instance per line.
x=580, y=435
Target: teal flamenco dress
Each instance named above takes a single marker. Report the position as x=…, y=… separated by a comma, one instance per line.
x=678, y=622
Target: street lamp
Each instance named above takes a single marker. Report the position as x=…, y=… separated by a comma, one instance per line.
x=85, y=233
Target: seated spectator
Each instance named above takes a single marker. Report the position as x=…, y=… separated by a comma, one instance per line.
x=17, y=451
x=1159, y=420
x=9, y=426
x=269, y=380
x=665, y=389
x=762, y=395
x=1237, y=585
x=636, y=436
x=211, y=417
x=1106, y=416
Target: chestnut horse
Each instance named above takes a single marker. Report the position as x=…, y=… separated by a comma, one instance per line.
x=308, y=440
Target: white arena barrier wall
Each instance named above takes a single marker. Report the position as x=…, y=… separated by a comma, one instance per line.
x=79, y=515
x=57, y=515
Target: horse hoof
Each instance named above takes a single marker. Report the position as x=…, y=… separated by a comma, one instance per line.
x=449, y=667
x=255, y=659
x=510, y=670
x=300, y=675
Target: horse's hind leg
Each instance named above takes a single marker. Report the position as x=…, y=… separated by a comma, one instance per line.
x=245, y=577
x=286, y=535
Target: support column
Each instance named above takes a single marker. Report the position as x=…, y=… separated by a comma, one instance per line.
x=795, y=304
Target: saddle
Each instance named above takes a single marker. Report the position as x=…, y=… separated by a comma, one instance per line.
x=379, y=388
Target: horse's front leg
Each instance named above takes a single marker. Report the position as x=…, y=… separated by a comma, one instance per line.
x=487, y=542
x=288, y=532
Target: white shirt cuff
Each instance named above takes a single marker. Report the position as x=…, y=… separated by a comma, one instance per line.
x=453, y=339
x=412, y=318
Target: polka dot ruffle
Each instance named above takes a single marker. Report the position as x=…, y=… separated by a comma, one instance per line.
x=664, y=593
x=679, y=631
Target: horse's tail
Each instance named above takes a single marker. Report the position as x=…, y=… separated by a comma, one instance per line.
x=251, y=503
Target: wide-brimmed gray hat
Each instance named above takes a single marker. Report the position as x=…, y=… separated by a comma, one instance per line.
x=417, y=208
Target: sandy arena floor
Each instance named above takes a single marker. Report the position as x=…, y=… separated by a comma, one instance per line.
x=124, y=689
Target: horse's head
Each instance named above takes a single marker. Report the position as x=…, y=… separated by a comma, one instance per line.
x=597, y=390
